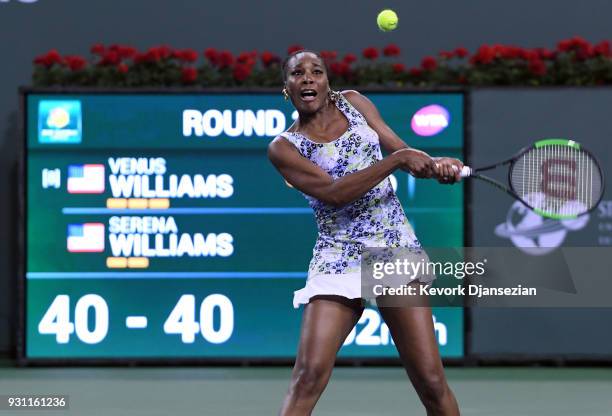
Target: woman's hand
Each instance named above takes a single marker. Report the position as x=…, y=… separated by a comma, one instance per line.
x=447, y=169
x=419, y=164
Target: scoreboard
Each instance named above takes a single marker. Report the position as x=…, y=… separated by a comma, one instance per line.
x=156, y=228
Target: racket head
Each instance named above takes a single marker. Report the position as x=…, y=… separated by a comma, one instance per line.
x=557, y=178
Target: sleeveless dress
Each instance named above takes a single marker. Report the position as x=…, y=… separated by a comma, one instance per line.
x=377, y=219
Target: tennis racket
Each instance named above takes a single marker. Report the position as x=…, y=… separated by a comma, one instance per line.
x=556, y=178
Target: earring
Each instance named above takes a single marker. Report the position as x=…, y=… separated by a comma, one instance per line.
x=285, y=94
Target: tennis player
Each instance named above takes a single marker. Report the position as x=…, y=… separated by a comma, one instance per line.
x=332, y=154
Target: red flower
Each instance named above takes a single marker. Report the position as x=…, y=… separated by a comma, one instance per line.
x=152, y=55
x=189, y=75
x=398, y=68
x=212, y=55
x=127, y=52
x=122, y=51
x=329, y=55
x=484, y=55
x=391, y=50
x=461, y=52
x=429, y=63
x=247, y=58
x=585, y=52
x=370, y=53
x=500, y=51
x=123, y=68
x=447, y=55
x=98, y=49
x=268, y=58
x=226, y=59
x=510, y=52
x=54, y=57
x=349, y=58
x=514, y=52
x=186, y=55
x=574, y=43
x=602, y=48
x=139, y=58
x=564, y=45
x=537, y=67
x=415, y=72
x=294, y=48
x=155, y=54
x=241, y=72
x=163, y=51
x=75, y=63
x=580, y=42
x=582, y=47
x=110, y=58
x=529, y=54
x=243, y=57
x=544, y=53
x=340, y=68
x=50, y=58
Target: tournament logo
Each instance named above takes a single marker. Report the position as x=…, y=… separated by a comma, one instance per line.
x=59, y=121
x=430, y=120
x=534, y=234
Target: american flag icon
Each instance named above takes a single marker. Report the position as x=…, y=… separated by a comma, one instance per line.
x=86, y=179
x=85, y=238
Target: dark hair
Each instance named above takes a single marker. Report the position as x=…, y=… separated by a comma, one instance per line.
x=292, y=54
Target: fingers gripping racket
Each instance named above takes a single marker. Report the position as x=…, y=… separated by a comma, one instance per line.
x=556, y=178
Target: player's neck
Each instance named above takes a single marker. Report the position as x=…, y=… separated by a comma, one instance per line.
x=319, y=120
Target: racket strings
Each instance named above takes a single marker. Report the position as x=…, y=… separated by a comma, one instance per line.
x=557, y=179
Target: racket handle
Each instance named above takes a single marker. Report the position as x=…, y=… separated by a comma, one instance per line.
x=466, y=171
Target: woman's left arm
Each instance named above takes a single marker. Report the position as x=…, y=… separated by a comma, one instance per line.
x=448, y=169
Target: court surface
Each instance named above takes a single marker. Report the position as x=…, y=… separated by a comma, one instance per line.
x=352, y=391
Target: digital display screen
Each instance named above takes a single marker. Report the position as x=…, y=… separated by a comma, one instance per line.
x=156, y=227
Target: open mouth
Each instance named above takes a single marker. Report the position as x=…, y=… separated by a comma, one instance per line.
x=308, y=94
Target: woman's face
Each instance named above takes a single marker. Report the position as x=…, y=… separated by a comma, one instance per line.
x=307, y=82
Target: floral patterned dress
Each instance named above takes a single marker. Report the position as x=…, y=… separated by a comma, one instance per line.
x=374, y=220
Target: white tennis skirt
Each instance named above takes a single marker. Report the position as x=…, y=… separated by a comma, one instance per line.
x=347, y=285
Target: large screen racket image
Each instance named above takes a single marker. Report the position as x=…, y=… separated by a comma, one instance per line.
x=556, y=178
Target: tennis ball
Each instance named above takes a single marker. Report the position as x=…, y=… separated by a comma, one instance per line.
x=387, y=20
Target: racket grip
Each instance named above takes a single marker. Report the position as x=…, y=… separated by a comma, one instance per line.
x=466, y=171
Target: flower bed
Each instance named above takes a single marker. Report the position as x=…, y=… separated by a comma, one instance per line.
x=573, y=62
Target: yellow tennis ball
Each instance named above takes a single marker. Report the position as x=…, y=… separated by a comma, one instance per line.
x=387, y=20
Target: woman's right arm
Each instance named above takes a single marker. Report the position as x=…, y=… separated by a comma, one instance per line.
x=309, y=178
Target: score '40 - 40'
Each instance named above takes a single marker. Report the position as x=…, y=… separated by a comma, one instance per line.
x=182, y=320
